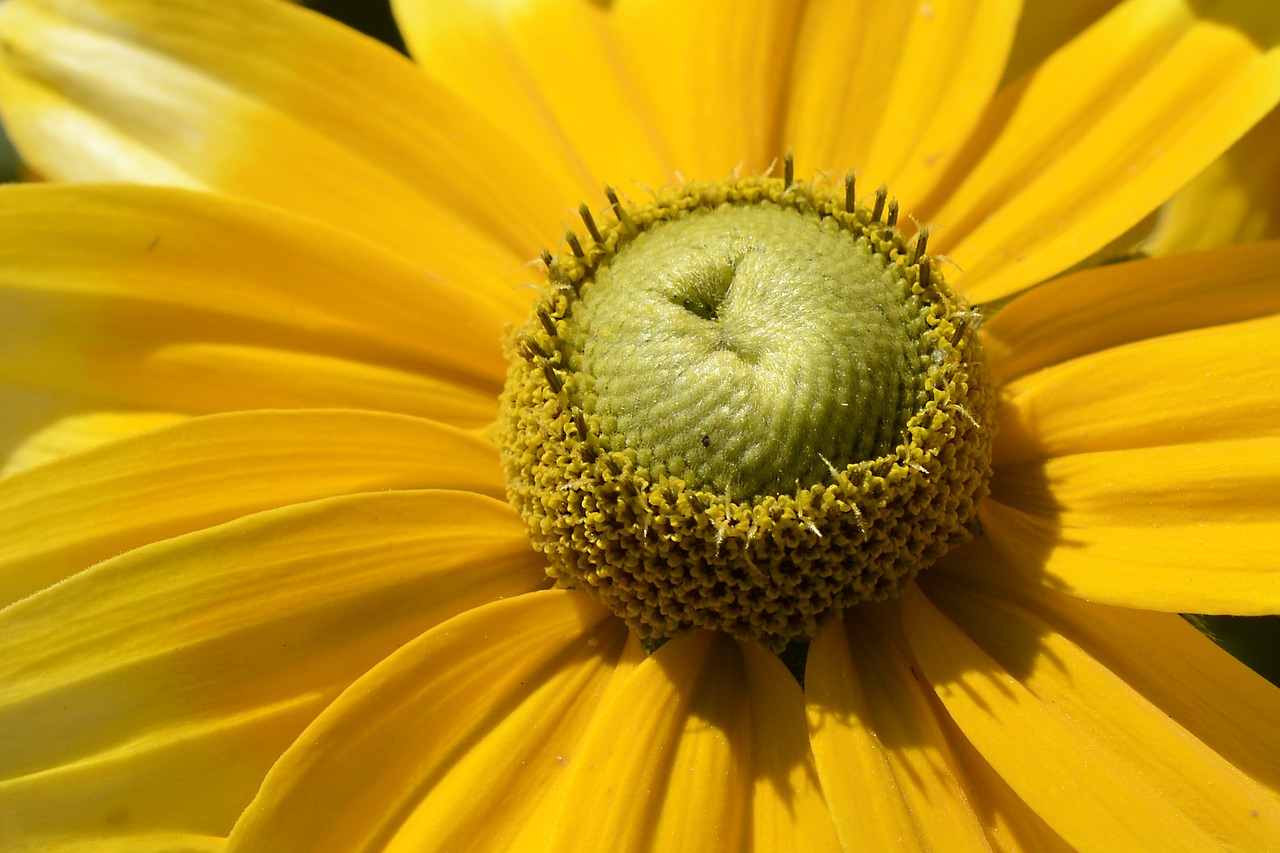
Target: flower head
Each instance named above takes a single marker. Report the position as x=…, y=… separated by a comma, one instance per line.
x=263, y=580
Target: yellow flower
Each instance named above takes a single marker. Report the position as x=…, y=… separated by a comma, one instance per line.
x=261, y=576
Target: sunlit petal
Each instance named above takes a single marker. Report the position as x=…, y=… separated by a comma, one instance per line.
x=914, y=80
x=509, y=689
x=1101, y=764
x=1100, y=134
x=65, y=516
x=153, y=691
x=254, y=99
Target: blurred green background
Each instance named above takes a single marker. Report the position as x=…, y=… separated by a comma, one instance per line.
x=1254, y=640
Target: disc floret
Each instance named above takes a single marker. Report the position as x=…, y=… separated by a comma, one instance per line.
x=744, y=406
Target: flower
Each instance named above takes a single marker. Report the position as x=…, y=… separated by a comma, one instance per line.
x=264, y=583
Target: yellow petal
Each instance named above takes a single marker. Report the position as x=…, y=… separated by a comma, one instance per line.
x=1189, y=528
x=1011, y=824
x=201, y=377
x=1045, y=26
x=547, y=71
x=1101, y=134
x=217, y=255
x=712, y=76
x=275, y=103
x=154, y=690
x=1206, y=385
x=1115, y=305
x=1235, y=200
x=452, y=742
x=64, y=516
x=893, y=89
x=150, y=842
x=187, y=302
x=73, y=433
x=1160, y=655
x=889, y=776
x=1102, y=765
x=702, y=747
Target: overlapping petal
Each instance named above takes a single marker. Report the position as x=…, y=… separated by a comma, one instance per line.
x=508, y=689
x=1235, y=200
x=712, y=77
x=547, y=71
x=1208, y=385
x=1100, y=134
x=1187, y=528
x=887, y=770
x=702, y=747
x=1101, y=763
x=1046, y=25
x=1160, y=655
x=893, y=89
x=180, y=302
x=153, y=691
x=65, y=516
x=55, y=435
x=254, y=99
x=1116, y=305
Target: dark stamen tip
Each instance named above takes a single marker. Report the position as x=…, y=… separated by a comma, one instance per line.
x=922, y=243
x=553, y=378
x=850, y=193
x=544, y=317
x=618, y=210
x=788, y=169
x=574, y=245
x=881, y=194
x=590, y=222
x=893, y=213
x=532, y=349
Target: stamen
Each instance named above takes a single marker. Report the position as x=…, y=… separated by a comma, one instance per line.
x=533, y=349
x=881, y=194
x=590, y=222
x=893, y=213
x=574, y=245
x=553, y=378
x=922, y=243
x=788, y=169
x=544, y=317
x=618, y=210
x=850, y=193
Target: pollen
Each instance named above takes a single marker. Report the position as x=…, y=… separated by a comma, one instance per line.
x=745, y=405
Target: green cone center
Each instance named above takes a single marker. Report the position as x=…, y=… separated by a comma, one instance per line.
x=745, y=406
x=748, y=349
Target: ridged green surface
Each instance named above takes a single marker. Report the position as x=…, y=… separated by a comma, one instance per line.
x=744, y=348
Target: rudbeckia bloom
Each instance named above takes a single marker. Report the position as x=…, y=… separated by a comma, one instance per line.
x=282, y=572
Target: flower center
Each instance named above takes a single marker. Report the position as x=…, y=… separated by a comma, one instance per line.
x=745, y=406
